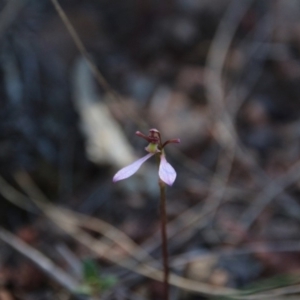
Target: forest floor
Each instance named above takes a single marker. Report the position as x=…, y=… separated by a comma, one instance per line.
x=79, y=78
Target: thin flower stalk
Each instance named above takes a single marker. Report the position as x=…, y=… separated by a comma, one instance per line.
x=167, y=175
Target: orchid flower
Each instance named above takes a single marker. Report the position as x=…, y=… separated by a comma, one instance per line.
x=166, y=172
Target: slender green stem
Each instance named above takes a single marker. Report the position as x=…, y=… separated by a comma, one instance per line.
x=163, y=222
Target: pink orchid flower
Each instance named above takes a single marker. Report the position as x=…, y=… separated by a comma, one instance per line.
x=166, y=172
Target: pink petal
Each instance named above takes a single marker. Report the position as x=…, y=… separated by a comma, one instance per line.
x=166, y=172
x=131, y=169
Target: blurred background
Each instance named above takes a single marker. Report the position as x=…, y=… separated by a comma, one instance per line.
x=79, y=78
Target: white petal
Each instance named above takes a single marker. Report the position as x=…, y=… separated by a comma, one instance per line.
x=131, y=169
x=166, y=172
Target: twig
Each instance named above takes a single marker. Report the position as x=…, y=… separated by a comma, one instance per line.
x=43, y=262
x=67, y=222
x=215, y=93
x=273, y=189
x=15, y=197
x=81, y=220
x=216, y=58
x=272, y=294
x=213, y=82
x=250, y=248
x=58, y=215
x=102, y=81
x=109, y=254
x=113, y=95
